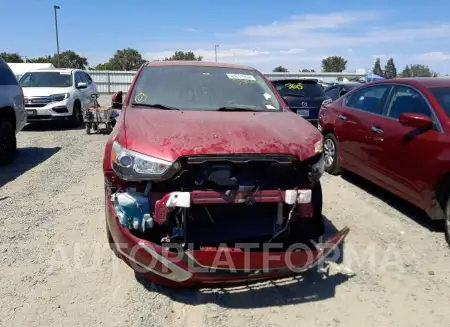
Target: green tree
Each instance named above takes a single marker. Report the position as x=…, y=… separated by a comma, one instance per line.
x=11, y=57
x=377, y=68
x=390, y=71
x=125, y=59
x=335, y=64
x=406, y=72
x=418, y=70
x=70, y=59
x=182, y=55
x=46, y=59
x=104, y=66
x=67, y=59
x=280, y=69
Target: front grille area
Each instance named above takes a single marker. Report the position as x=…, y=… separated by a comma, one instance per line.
x=37, y=102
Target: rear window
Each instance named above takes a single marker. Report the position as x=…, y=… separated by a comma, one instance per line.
x=6, y=75
x=46, y=79
x=442, y=95
x=303, y=88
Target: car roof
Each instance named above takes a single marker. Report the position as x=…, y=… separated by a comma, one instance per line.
x=427, y=82
x=57, y=70
x=196, y=63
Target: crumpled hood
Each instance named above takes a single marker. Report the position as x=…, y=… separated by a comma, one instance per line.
x=44, y=91
x=168, y=134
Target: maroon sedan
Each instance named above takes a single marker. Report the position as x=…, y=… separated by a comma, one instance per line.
x=396, y=133
x=210, y=178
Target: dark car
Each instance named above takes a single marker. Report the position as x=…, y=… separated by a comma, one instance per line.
x=396, y=133
x=303, y=96
x=334, y=92
x=207, y=161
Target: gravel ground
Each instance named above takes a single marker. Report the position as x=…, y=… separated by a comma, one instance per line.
x=57, y=270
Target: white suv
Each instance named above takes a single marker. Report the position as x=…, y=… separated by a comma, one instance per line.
x=12, y=113
x=57, y=94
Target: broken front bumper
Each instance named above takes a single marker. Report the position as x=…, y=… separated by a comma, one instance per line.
x=173, y=266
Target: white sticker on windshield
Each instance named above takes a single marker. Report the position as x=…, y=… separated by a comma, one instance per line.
x=241, y=76
x=64, y=73
x=269, y=106
x=267, y=96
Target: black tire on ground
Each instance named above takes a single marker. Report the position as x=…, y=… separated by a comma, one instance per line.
x=88, y=128
x=447, y=221
x=76, y=120
x=331, y=148
x=8, y=142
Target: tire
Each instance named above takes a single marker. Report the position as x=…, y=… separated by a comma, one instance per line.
x=331, y=148
x=447, y=221
x=8, y=142
x=88, y=128
x=76, y=120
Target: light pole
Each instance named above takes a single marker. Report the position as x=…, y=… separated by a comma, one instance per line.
x=215, y=50
x=55, y=7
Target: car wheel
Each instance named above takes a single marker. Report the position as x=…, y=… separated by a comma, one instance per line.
x=330, y=149
x=447, y=221
x=77, y=115
x=8, y=142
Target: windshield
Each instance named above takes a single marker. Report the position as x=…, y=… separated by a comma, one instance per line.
x=303, y=88
x=442, y=95
x=46, y=79
x=203, y=88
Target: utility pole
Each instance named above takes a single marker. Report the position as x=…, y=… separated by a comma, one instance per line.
x=55, y=7
x=215, y=50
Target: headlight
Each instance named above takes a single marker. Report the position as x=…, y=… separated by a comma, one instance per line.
x=134, y=166
x=318, y=146
x=59, y=97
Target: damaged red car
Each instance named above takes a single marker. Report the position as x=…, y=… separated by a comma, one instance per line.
x=211, y=179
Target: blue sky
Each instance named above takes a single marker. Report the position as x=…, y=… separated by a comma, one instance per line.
x=260, y=33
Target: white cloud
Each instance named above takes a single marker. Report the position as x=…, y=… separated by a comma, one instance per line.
x=298, y=24
x=301, y=41
x=433, y=56
x=190, y=30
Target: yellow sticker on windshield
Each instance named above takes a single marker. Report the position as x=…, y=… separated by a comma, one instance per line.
x=140, y=98
x=294, y=86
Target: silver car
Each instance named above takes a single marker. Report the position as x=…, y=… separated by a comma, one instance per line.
x=13, y=116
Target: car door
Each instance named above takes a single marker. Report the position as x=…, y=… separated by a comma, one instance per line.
x=401, y=154
x=91, y=89
x=358, y=111
x=83, y=92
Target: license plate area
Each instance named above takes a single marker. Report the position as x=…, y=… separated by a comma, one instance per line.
x=303, y=112
x=31, y=112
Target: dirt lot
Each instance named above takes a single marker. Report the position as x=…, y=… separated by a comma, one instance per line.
x=57, y=270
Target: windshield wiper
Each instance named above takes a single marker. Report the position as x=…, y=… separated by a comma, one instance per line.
x=238, y=108
x=155, y=105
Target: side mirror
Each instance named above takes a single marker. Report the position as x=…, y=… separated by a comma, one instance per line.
x=82, y=85
x=416, y=120
x=117, y=100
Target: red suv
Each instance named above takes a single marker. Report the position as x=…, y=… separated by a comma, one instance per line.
x=210, y=178
x=396, y=133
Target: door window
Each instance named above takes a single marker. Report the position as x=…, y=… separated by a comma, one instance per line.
x=369, y=99
x=332, y=93
x=407, y=100
x=78, y=79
